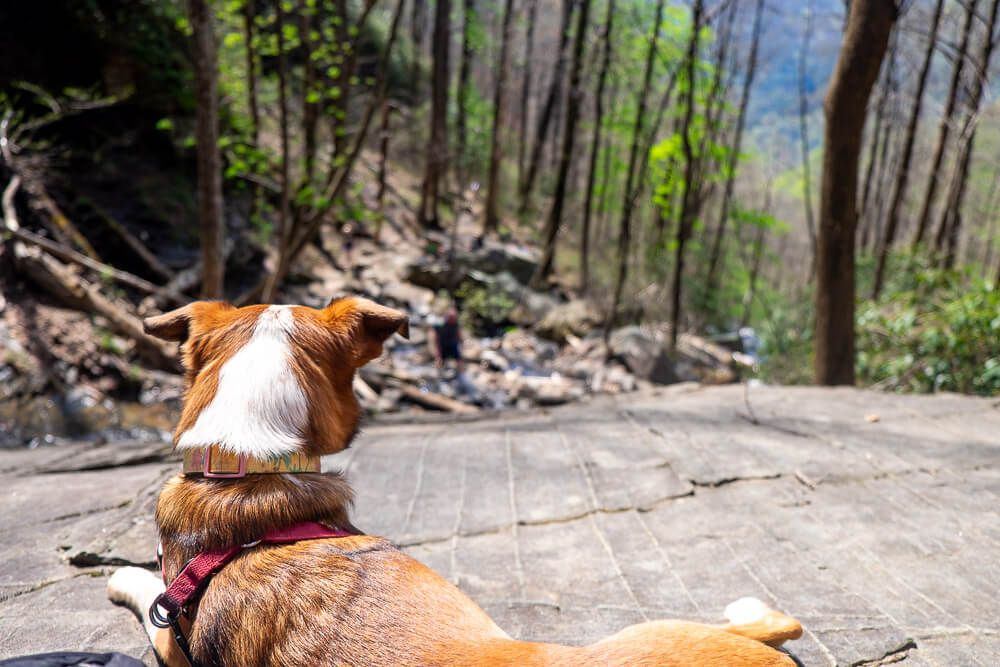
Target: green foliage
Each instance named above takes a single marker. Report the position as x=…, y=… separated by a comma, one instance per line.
x=482, y=308
x=734, y=302
x=109, y=342
x=940, y=333
x=479, y=121
x=784, y=323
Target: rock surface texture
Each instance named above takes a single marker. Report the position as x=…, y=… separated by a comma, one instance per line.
x=873, y=518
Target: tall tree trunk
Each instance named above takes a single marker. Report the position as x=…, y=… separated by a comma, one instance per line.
x=493, y=182
x=951, y=220
x=310, y=95
x=990, y=213
x=595, y=145
x=945, y=129
x=885, y=167
x=566, y=155
x=734, y=156
x=866, y=37
x=283, y=231
x=603, y=222
x=437, y=145
x=418, y=21
x=691, y=184
x=715, y=105
x=545, y=119
x=758, y=255
x=625, y=233
x=873, y=153
x=383, y=162
x=210, y=211
x=878, y=146
x=464, y=90
x=888, y=161
x=529, y=45
x=903, y=172
x=870, y=216
x=340, y=164
x=249, y=14
x=804, y=135
x=757, y=258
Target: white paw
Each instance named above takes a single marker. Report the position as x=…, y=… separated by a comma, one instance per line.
x=134, y=587
x=745, y=611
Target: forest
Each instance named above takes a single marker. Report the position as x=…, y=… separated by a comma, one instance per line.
x=814, y=180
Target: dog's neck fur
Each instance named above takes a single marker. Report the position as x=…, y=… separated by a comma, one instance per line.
x=195, y=514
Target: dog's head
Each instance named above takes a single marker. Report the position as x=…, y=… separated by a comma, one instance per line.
x=267, y=381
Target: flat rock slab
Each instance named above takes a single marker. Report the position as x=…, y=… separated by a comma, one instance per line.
x=873, y=518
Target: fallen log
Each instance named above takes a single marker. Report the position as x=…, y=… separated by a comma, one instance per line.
x=134, y=244
x=9, y=212
x=364, y=390
x=382, y=379
x=104, y=270
x=57, y=221
x=59, y=280
x=429, y=399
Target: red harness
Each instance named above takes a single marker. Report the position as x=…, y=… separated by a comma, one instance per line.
x=194, y=577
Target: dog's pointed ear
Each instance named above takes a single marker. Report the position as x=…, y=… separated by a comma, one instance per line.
x=374, y=324
x=379, y=322
x=176, y=324
x=173, y=325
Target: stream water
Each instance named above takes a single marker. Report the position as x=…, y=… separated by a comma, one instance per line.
x=69, y=417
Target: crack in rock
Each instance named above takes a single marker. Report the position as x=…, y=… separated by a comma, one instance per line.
x=898, y=654
x=647, y=507
x=96, y=510
x=45, y=584
x=715, y=483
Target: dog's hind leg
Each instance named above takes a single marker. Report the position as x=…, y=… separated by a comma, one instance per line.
x=136, y=588
x=749, y=617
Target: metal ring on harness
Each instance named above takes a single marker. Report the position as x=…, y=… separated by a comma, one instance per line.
x=157, y=617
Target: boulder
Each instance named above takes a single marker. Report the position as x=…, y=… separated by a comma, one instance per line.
x=491, y=259
x=499, y=257
x=709, y=362
x=575, y=318
x=428, y=273
x=522, y=345
x=548, y=390
x=643, y=351
x=646, y=352
x=531, y=307
x=494, y=360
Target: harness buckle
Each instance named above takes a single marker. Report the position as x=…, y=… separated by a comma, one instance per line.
x=206, y=467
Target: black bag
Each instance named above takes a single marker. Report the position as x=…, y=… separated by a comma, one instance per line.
x=72, y=659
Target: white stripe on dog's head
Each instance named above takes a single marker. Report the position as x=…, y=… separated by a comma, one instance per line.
x=259, y=408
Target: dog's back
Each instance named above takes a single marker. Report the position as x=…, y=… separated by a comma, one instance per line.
x=271, y=387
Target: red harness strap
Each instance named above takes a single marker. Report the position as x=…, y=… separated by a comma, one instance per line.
x=194, y=577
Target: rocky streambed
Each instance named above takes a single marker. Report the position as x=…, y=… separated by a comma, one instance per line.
x=65, y=375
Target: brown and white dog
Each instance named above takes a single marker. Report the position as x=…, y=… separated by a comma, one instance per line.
x=274, y=383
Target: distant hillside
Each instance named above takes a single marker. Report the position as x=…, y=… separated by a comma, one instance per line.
x=776, y=89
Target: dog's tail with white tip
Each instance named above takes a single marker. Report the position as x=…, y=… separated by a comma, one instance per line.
x=136, y=588
x=749, y=617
